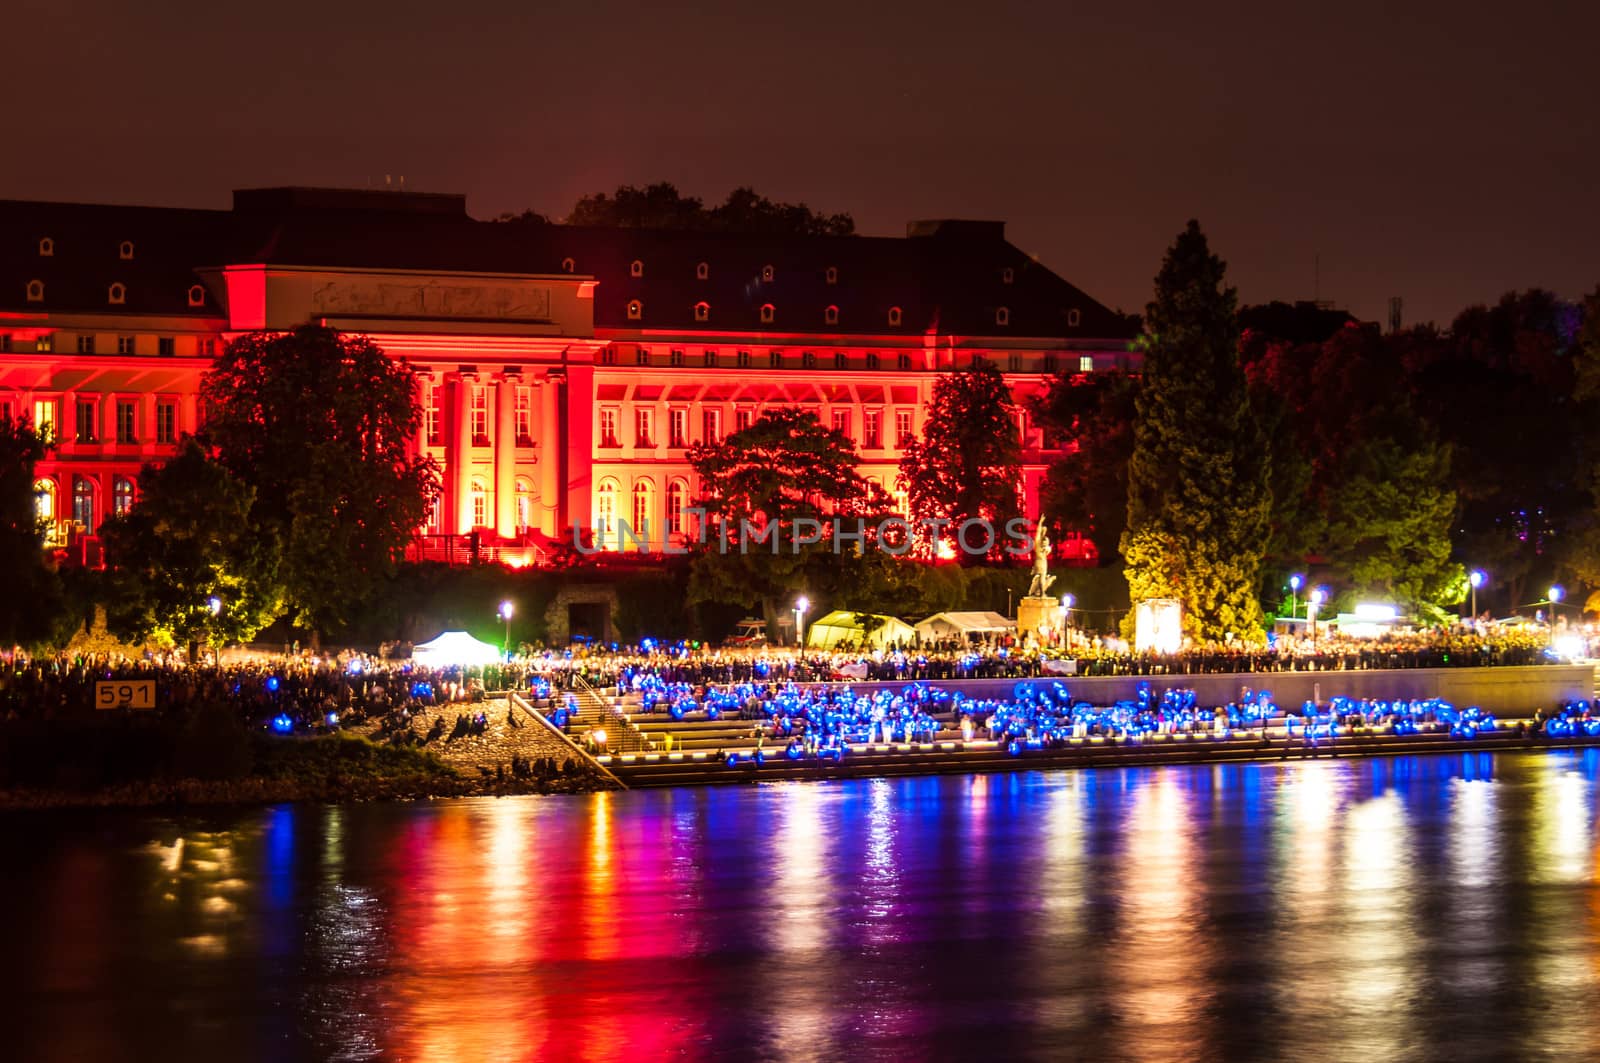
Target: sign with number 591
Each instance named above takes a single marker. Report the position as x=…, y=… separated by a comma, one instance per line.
x=125, y=694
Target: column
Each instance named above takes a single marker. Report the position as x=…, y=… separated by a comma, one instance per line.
x=580, y=443
x=458, y=456
x=549, y=435
x=505, y=455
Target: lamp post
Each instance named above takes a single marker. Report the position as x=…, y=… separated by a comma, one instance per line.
x=1556, y=594
x=1066, y=616
x=216, y=605
x=1294, y=591
x=1476, y=578
x=506, y=609
x=1314, y=599
x=801, y=604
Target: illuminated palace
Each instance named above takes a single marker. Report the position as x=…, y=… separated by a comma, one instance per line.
x=564, y=371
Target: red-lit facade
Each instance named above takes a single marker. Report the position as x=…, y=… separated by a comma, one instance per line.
x=564, y=372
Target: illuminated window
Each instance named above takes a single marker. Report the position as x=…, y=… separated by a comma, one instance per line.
x=1007, y=275
x=643, y=502
x=480, y=415
x=125, y=250
x=127, y=421
x=524, y=498
x=197, y=295
x=44, y=508
x=841, y=422
x=608, y=428
x=711, y=426
x=45, y=342
x=831, y=275
x=702, y=271
x=36, y=291
x=524, y=417
x=83, y=504
x=902, y=428
x=47, y=248
x=480, y=504
x=434, y=514
x=677, y=502
x=702, y=311
x=1085, y=363
x=568, y=265
x=126, y=345
x=830, y=316
x=767, y=313
x=44, y=418
x=430, y=419
x=743, y=418
x=1074, y=318
x=605, y=508
x=743, y=359
x=676, y=357
x=1002, y=317
x=644, y=427
x=767, y=274
x=166, y=422
x=872, y=437
x=121, y=495
x=678, y=427
x=86, y=345
x=635, y=310
x=894, y=316
x=117, y=294
x=87, y=421
x=636, y=268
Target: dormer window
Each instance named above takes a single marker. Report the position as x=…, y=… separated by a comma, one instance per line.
x=702, y=271
x=1002, y=317
x=1074, y=319
x=894, y=317
x=636, y=268
x=568, y=265
x=767, y=274
x=830, y=316
x=125, y=250
x=767, y=313
x=197, y=295
x=1008, y=275
x=117, y=294
x=635, y=310
x=36, y=291
x=702, y=311
x=831, y=274
x=47, y=248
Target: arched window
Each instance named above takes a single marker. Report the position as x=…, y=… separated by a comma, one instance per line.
x=702, y=271
x=480, y=504
x=197, y=295
x=1002, y=317
x=44, y=508
x=1074, y=318
x=767, y=313
x=831, y=315
x=568, y=265
x=125, y=250
x=605, y=513
x=643, y=497
x=635, y=310
x=636, y=268
x=1007, y=275
x=894, y=317
x=677, y=502
x=36, y=291
x=47, y=248
x=524, y=504
x=831, y=275
x=767, y=274
x=121, y=495
x=702, y=311
x=83, y=504
x=117, y=294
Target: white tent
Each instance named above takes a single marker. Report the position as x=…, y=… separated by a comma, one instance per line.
x=840, y=628
x=455, y=648
x=960, y=625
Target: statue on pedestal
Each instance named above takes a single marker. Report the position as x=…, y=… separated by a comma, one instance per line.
x=1040, y=587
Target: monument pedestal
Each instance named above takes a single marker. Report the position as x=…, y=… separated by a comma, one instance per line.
x=1036, y=615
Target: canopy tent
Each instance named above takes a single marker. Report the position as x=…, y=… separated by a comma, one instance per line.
x=960, y=625
x=841, y=628
x=455, y=648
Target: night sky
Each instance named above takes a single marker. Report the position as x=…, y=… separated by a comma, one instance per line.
x=1444, y=155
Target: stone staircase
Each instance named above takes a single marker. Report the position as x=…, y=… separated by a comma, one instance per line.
x=595, y=711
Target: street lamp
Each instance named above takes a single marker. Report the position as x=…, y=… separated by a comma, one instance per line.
x=1556, y=594
x=1477, y=579
x=216, y=605
x=1314, y=599
x=1294, y=590
x=801, y=604
x=506, y=609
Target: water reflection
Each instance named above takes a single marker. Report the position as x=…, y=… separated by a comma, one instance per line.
x=1427, y=908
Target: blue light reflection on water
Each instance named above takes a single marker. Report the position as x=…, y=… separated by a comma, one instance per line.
x=1411, y=908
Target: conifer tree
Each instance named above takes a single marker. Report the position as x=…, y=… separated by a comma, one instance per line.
x=1198, y=498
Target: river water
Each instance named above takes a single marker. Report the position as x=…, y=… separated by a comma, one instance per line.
x=1426, y=908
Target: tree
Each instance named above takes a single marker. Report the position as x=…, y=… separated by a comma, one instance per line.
x=1090, y=417
x=1198, y=498
x=759, y=487
x=662, y=206
x=33, y=598
x=319, y=425
x=967, y=465
x=187, y=564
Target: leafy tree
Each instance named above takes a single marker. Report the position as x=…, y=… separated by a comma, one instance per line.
x=1198, y=497
x=318, y=424
x=967, y=465
x=662, y=206
x=1090, y=416
x=188, y=541
x=33, y=598
x=756, y=485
